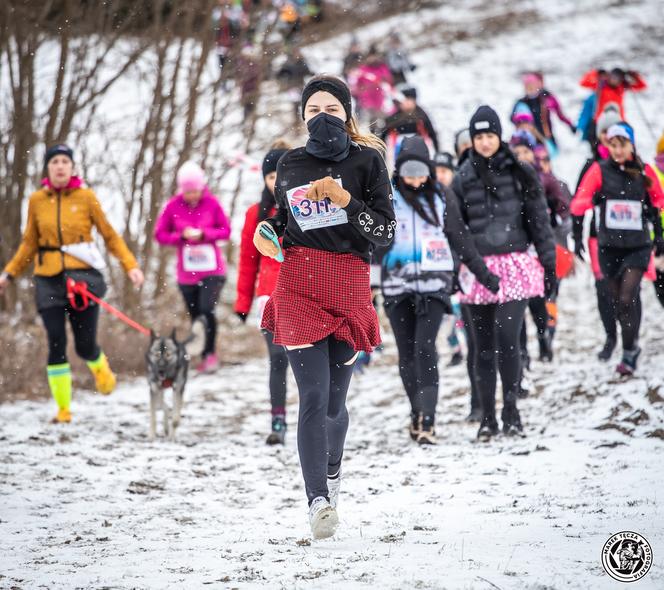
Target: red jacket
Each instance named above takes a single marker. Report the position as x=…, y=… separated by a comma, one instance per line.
x=607, y=93
x=257, y=274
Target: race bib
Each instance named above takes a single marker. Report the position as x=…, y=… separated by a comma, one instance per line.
x=624, y=215
x=314, y=214
x=436, y=254
x=199, y=258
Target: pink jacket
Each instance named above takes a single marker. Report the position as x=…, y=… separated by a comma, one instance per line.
x=197, y=259
x=368, y=83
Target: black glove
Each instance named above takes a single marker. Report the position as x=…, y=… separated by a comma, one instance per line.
x=659, y=246
x=242, y=316
x=579, y=249
x=491, y=282
x=550, y=283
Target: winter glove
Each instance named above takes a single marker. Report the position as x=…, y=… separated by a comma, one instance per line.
x=579, y=249
x=491, y=282
x=327, y=188
x=659, y=246
x=265, y=246
x=242, y=316
x=550, y=283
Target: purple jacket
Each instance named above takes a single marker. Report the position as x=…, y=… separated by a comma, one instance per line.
x=197, y=259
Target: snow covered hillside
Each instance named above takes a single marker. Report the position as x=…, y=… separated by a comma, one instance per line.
x=94, y=505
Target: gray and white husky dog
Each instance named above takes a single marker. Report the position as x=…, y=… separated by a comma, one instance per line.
x=167, y=361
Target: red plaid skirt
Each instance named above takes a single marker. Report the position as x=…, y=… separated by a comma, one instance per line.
x=319, y=294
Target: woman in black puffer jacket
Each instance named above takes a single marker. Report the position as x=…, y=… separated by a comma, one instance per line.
x=503, y=204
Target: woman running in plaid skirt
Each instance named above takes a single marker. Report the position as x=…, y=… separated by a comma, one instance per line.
x=334, y=205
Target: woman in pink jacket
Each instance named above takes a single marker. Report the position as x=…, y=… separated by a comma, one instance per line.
x=371, y=83
x=193, y=221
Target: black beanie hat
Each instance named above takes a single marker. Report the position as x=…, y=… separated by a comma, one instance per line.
x=415, y=149
x=485, y=120
x=335, y=86
x=57, y=150
x=444, y=160
x=271, y=159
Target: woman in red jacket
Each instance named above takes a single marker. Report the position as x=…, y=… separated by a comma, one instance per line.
x=626, y=196
x=257, y=277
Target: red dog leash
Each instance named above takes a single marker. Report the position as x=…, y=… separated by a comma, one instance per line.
x=80, y=289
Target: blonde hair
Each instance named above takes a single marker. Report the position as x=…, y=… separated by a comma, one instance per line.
x=281, y=144
x=366, y=139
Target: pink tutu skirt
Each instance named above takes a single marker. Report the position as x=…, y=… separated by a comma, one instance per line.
x=521, y=277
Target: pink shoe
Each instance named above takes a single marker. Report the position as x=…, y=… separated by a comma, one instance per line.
x=209, y=364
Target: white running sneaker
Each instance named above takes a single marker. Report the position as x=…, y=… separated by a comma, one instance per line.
x=333, y=486
x=322, y=518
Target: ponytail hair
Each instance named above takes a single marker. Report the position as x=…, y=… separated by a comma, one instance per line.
x=365, y=139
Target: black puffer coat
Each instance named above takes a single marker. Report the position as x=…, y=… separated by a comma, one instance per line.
x=503, y=204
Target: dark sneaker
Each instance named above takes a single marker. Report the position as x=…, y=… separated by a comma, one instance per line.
x=607, y=350
x=278, y=434
x=627, y=366
x=488, y=429
x=545, y=348
x=415, y=425
x=511, y=421
x=427, y=435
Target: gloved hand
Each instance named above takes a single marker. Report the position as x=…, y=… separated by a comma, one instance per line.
x=659, y=246
x=491, y=282
x=579, y=249
x=550, y=283
x=242, y=316
x=265, y=246
x=327, y=188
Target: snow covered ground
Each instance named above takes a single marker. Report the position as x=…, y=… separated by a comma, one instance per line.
x=95, y=505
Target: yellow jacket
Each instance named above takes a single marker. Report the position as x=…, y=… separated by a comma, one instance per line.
x=59, y=217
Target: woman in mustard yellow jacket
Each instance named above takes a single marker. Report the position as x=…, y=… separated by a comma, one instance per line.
x=58, y=238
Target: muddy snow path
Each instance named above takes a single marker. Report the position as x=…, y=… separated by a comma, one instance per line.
x=94, y=504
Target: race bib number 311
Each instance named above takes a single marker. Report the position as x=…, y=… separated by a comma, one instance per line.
x=314, y=214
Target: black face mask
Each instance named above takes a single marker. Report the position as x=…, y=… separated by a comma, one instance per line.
x=328, y=138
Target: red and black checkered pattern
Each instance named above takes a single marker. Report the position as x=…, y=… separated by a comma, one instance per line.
x=319, y=294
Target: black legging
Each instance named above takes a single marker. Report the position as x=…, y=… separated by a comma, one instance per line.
x=415, y=335
x=83, y=325
x=496, y=329
x=323, y=378
x=201, y=299
x=626, y=293
x=470, y=357
x=278, y=369
x=605, y=307
x=659, y=286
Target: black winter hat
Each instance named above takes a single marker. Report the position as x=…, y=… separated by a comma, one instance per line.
x=335, y=86
x=409, y=92
x=485, y=120
x=271, y=159
x=57, y=150
x=413, y=154
x=444, y=160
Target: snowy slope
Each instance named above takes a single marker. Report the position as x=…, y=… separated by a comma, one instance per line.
x=93, y=504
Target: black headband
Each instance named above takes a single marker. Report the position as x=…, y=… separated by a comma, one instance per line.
x=335, y=87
